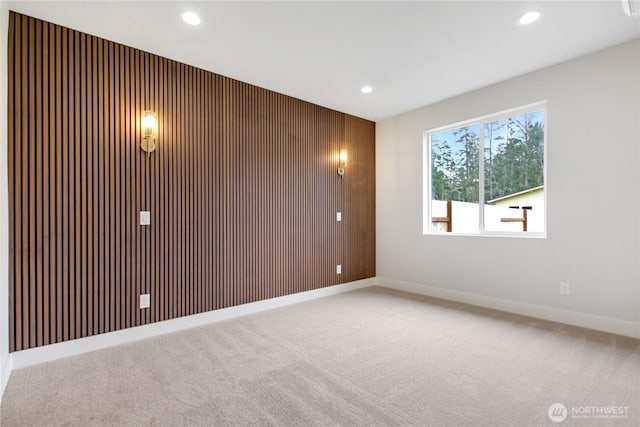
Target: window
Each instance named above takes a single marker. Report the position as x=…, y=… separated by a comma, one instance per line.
x=487, y=176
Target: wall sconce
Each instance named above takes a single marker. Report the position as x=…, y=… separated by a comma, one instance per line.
x=343, y=162
x=149, y=131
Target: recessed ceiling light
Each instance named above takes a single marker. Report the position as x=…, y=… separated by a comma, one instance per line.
x=191, y=18
x=530, y=17
x=366, y=89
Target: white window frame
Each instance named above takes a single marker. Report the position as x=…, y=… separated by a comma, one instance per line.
x=481, y=122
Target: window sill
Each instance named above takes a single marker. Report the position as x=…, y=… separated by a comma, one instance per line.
x=492, y=234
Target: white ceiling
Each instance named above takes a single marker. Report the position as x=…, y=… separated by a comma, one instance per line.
x=411, y=53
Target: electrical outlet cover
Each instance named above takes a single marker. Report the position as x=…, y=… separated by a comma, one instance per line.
x=145, y=301
x=145, y=218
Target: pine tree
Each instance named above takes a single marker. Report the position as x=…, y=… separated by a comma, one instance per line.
x=490, y=177
x=467, y=162
x=442, y=163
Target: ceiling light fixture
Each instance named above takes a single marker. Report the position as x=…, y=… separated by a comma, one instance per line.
x=191, y=18
x=530, y=17
x=366, y=89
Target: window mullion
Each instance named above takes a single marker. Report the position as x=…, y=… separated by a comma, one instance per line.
x=481, y=178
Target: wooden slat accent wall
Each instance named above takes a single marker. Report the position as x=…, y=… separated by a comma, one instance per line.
x=242, y=190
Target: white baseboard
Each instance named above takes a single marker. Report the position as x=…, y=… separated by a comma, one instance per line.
x=5, y=373
x=24, y=358
x=590, y=321
x=21, y=359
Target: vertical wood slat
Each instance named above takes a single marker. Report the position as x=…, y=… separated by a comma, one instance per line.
x=76, y=142
x=13, y=134
x=242, y=189
x=73, y=143
x=24, y=206
x=46, y=283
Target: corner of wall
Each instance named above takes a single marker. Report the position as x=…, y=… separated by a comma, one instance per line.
x=5, y=361
x=5, y=373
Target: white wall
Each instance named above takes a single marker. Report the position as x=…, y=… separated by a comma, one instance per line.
x=4, y=204
x=593, y=135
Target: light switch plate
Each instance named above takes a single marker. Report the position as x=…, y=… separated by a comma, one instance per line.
x=338, y=216
x=145, y=217
x=338, y=269
x=145, y=301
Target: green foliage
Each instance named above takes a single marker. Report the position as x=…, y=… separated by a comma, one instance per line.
x=443, y=186
x=455, y=171
x=513, y=160
x=519, y=162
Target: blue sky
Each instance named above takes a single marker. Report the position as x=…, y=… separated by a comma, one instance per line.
x=500, y=129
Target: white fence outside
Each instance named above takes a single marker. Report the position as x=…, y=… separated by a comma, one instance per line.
x=466, y=217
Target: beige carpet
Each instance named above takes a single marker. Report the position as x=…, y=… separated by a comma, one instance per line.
x=372, y=357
